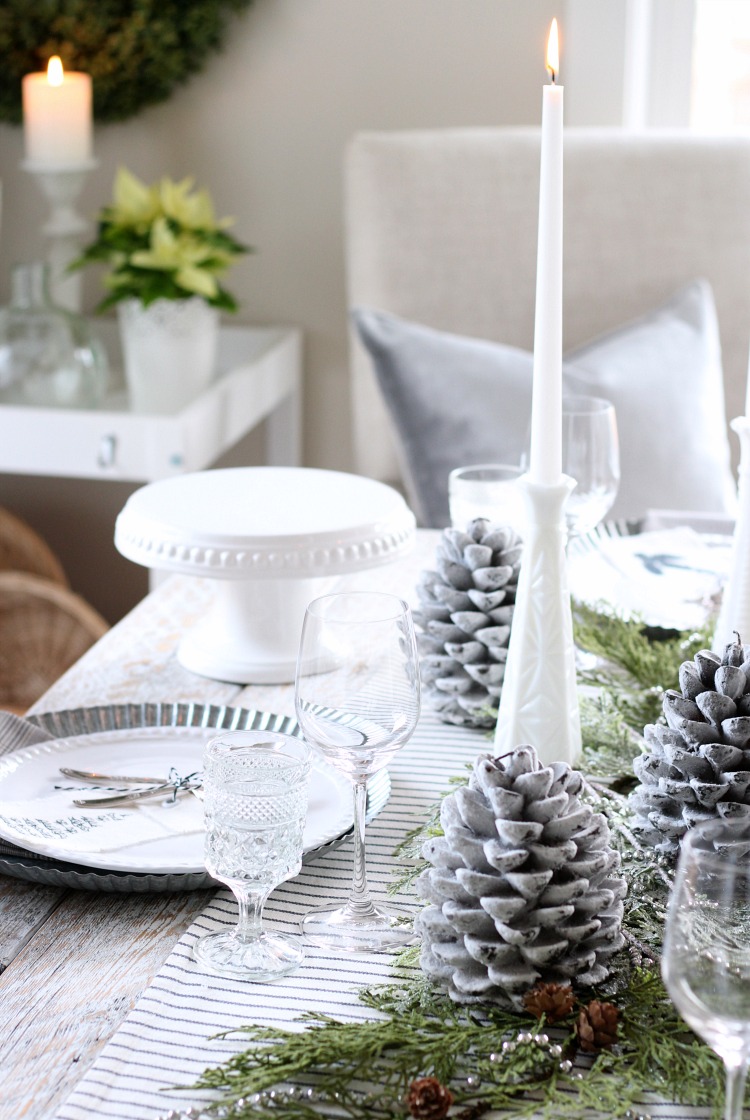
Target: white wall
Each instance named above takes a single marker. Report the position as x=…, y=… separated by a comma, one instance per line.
x=265, y=126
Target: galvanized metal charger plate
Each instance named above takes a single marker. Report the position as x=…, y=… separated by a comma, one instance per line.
x=111, y=717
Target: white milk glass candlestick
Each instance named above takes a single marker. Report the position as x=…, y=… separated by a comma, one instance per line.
x=735, y=605
x=539, y=699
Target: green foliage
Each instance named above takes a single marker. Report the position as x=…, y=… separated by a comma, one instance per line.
x=137, y=51
x=635, y=663
x=419, y=1032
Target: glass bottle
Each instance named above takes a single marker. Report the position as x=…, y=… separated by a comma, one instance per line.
x=48, y=356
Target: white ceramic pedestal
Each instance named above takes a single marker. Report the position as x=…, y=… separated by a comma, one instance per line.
x=272, y=538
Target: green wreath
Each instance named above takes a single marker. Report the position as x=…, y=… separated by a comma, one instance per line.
x=136, y=51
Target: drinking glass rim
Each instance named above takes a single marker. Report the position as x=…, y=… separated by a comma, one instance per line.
x=297, y=752
x=600, y=404
x=511, y=468
x=399, y=607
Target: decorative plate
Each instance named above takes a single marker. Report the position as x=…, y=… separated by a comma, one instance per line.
x=158, y=734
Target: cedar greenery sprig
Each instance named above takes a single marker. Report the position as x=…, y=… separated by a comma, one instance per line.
x=424, y=1034
x=636, y=663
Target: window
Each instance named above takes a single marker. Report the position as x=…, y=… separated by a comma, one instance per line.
x=720, y=87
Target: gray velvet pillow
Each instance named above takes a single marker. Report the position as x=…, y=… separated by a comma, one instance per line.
x=456, y=401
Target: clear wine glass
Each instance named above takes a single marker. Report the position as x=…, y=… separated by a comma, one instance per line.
x=255, y=802
x=591, y=456
x=706, y=958
x=357, y=696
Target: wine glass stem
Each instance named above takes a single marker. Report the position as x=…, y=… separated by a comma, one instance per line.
x=736, y=1076
x=360, y=901
x=249, y=927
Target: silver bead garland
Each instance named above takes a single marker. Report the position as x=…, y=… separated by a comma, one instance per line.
x=280, y=1097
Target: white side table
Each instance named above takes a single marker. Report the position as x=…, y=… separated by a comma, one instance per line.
x=259, y=379
x=68, y=471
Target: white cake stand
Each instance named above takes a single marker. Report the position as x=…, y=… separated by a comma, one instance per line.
x=272, y=538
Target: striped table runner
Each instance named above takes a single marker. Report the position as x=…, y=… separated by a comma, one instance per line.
x=167, y=1040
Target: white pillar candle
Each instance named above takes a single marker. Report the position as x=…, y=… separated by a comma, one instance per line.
x=57, y=117
x=545, y=459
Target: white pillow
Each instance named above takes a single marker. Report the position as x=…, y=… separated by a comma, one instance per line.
x=456, y=401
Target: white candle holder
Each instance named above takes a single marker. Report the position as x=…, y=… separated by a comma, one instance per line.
x=539, y=700
x=61, y=187
x=735, y=604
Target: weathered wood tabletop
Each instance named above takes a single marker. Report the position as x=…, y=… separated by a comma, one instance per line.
x=74, y=962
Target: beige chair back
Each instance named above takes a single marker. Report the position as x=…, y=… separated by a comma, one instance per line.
x=441, y=228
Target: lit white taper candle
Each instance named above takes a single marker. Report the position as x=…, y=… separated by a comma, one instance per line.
x=545, y=459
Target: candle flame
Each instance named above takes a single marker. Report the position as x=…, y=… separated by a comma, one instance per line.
x=55, y=75
x=553, y=51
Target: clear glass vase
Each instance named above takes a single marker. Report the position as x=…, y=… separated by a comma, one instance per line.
x=48, y=355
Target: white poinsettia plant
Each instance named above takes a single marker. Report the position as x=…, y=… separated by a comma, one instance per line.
x=162, y=242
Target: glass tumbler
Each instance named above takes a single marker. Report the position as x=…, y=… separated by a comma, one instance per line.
x=255, y=801
x=486, y=490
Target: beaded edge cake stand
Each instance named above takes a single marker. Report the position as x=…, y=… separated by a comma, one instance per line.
x=272, y=539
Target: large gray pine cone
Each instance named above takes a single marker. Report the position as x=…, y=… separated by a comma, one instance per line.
x=464, y=618
x=523, y=886
x=697, y=767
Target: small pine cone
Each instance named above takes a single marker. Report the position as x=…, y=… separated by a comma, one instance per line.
x=597, y=1026
x=427, y=1099
x=554, y=1001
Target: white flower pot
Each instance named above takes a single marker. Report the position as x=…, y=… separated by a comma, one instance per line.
x=169, y=351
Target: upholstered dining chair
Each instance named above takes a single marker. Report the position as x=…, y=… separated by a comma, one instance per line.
x=441, y=230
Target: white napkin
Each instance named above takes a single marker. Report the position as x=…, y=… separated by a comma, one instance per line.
x=54, y=824
x=62, y=827
x=668, y=577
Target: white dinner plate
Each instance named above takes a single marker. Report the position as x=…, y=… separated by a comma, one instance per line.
x=31, y=774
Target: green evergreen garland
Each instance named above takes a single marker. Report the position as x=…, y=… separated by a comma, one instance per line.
x=136, y=51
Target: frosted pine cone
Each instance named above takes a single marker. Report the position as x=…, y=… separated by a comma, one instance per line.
x=523, y=886
x=465, y=615
x=697, y=766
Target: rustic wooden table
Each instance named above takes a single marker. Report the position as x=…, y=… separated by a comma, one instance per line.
x=74, y=962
